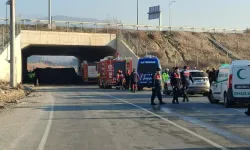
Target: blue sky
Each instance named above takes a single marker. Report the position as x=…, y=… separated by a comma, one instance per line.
x=198, y=13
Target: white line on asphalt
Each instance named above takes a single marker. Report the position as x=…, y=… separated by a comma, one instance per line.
x=46, y=132
x=239, y=110
x=173, y=123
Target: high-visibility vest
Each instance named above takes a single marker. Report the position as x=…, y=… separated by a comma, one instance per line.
x=165, y=77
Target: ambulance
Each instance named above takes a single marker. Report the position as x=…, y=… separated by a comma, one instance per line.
x=232, y=84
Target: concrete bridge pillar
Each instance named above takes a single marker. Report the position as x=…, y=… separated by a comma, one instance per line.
x=24, y=67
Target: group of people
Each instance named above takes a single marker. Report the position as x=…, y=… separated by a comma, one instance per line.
x=127, y=81
x=179, y=81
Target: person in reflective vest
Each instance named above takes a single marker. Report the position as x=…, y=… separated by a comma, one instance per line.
x=157, y=87
x=176, y=83
x=165, y=76
x=185, y=79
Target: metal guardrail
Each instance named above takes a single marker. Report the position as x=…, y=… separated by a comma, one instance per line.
x=227, y=51
x=5, y=36
x=121, y=26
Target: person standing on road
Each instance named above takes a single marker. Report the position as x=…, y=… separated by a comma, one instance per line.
x=127, y=79
x=185, y=79
x=165, y=77
x=157, y=87
x=134, y=78
x=176, y=84
x=121, y=77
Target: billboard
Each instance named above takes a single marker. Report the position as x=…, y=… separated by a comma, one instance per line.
x=154, y=12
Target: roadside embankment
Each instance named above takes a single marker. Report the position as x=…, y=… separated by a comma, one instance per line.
x=12, y=95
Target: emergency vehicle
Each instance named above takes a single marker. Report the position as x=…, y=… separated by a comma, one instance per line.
x=232, y=84
x=89, y=72
x=109, y=66
x=146, y=68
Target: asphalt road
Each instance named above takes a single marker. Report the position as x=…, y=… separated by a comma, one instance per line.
x=79, y=118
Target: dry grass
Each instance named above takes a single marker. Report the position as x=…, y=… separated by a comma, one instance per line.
x=12, y=95
x=237, y=43
x=186, y=47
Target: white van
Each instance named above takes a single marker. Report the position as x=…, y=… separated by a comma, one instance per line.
x=232, y=84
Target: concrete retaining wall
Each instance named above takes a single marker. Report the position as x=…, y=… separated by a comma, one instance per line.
x=66, y=38
x=5, y=65
x=124, y=50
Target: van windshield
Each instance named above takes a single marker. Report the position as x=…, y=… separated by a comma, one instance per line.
x=147, y=68
x=198, y=74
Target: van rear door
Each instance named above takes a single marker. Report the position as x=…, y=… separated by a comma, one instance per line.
x=241, y=81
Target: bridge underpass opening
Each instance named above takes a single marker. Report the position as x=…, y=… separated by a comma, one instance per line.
x=65, y=75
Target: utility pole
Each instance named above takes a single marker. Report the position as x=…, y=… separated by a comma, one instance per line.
x=137, y=13
x=49, y=15
x=13, y=82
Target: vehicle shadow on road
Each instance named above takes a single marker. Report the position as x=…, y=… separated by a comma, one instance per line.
x=236, y=148
x=121, y=106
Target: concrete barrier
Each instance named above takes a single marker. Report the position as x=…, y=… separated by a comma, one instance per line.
x=5, y=65
x=125, y=51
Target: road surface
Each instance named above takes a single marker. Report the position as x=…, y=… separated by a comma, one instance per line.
x=85, y=117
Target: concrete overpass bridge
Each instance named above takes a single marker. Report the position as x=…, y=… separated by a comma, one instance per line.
x=84, y=46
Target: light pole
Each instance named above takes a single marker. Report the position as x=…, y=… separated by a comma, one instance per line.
x=6, y=17
x=170, y=12
x=13, y=82
x=137, y=13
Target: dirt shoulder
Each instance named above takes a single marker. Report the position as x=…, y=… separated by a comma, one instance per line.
x=12, y=95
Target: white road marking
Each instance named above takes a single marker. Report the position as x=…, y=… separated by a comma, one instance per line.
x=173, y=123
x=46, y=132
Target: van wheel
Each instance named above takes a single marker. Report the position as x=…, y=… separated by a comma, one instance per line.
x=227, y=104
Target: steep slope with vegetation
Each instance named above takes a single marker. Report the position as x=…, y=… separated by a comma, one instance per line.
x=237, y=43
x=189, y=48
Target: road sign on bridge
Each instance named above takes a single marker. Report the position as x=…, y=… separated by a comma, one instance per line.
x=155, y=13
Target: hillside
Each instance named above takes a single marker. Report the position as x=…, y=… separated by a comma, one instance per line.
x=188, y=47
x=31, y=66
x=237, y=43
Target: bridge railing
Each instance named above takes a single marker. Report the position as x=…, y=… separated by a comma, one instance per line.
x=107, y=27
x=5, y=34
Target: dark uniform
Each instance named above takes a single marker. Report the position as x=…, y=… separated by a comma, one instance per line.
x=156, y=90
x=127, y=78
x=176, y=83
x=185, y=78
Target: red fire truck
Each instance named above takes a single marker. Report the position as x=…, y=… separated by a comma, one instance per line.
x=109, y=66
x=89, y=72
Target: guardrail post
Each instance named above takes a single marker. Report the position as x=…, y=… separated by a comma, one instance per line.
x=81, y=26
x=95, y=27
x=3, y=38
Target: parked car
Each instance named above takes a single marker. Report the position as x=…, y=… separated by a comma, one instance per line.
x=200, y=86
